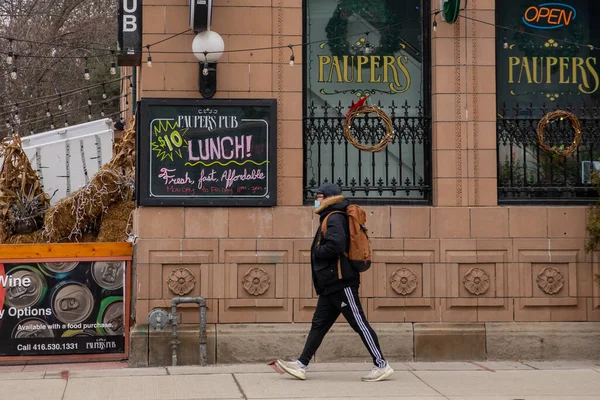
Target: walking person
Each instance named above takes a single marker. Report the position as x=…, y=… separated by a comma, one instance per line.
x=336, y=282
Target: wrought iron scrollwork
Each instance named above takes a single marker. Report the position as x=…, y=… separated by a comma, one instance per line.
x=528, y=174
x=400, y=173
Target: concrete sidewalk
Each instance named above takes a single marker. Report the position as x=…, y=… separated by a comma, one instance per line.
x=426, y=381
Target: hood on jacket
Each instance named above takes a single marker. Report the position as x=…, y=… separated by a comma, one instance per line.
x=333, y=203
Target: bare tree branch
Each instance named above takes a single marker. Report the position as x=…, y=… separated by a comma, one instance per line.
x=73, y=28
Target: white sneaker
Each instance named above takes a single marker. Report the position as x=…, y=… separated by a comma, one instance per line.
x=378, y=374
x=292, y=368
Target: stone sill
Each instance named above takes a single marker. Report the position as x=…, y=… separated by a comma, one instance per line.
x=400, y=342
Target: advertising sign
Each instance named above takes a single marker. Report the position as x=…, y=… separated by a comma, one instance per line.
x=218, y=152
x=54, y=308
x=549, y=57
x=130, y=32
x=200, y=15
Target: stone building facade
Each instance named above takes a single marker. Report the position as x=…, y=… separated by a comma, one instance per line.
x=460, y=271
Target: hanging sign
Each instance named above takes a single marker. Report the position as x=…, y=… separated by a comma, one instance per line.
x=130, y=32
x=200, y=15
x=449, y=10
x=198, y=152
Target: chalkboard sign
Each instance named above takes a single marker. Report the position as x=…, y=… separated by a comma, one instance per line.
x=207, y=152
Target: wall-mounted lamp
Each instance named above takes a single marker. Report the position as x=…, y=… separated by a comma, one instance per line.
x=208, y=47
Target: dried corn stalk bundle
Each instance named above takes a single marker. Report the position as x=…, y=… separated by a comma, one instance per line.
x=87, y=237
x=124, y=158
x=116, y=224
x=22, y=199
x=27, y=238
x=70, y=217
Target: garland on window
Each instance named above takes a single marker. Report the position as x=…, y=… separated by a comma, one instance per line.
x=337, y=29
x=361, y=108
x=561, y=150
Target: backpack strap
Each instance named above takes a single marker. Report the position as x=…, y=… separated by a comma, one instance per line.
x=324, y=223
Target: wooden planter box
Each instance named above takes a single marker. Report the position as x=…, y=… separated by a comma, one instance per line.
x=65, y=302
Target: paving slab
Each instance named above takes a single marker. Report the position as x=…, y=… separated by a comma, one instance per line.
x=219, y=369
x=516, y=383
x=346, y=385
x=562, y=365
x=21, y=375
x=32, y=390
x=263, y=368
x=522, y=398
x=11, y=368
x=105, y=373
x=74, y=366
x=395, y=396
x=443, y=366
x=154, y=388
x=432, y=381
x=503, y=365
x=363, y=367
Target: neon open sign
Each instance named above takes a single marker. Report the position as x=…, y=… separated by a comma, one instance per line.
x=549, y=16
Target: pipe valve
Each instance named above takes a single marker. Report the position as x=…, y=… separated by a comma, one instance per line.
x=158, y=319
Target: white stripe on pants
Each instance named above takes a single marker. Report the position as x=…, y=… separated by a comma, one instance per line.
x=363, y=328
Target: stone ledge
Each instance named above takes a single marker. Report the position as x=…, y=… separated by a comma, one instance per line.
x=152, y=348
x=262, y=343
x=342, y=344
x=543, y=341
x=247, y=343
x=138, y=346
x=449, y=342
x=258, y=343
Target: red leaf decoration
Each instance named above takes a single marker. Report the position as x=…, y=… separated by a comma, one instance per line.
x=358, y=104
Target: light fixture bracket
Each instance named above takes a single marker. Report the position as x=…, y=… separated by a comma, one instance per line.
x=207, y=84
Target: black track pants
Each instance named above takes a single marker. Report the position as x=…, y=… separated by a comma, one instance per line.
x=328, y=309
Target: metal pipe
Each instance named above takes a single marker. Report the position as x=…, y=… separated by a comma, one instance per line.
x=174, y=342
x=134, y=90
x=203, y=337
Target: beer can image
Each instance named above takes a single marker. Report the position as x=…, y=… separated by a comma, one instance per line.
x=112, y=313
x=22, y=296
x=108, y=274
x=72, y=302
x=59, y=269
x=32, y=328
x=79, y=333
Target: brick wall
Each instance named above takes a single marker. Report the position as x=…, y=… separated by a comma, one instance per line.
x=439, y=245
x=435, y=248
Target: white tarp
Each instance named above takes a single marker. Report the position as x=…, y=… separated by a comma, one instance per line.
x=67, y=158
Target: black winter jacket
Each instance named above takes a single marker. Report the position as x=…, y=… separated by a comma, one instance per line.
x=326, y=253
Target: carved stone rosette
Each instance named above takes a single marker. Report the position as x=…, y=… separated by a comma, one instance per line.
x=181, y=281
x=404, y=281
x=256, y=281
x=550, y=280
x=476, y=281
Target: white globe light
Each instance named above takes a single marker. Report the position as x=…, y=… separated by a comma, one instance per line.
x=208, y=41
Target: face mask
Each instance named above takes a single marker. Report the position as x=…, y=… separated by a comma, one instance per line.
x=317, y=203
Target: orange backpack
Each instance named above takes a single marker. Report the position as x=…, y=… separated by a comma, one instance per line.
x=359, y=253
